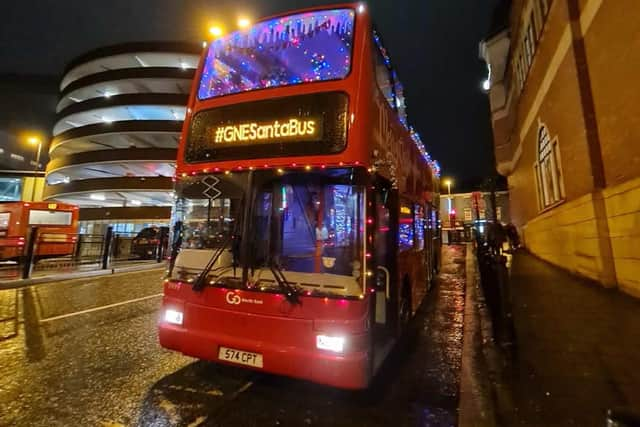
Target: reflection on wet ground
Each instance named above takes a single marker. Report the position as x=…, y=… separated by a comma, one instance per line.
x=418, y=385
x=9, y=304
x=106, y=368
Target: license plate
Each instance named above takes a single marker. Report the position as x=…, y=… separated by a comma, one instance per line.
x=240, y=357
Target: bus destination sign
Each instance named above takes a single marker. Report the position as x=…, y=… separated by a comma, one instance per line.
x=300, y=125
x=293, y=129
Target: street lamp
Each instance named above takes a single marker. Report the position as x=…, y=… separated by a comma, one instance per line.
x=448, y=183
x=215, y=31
x=37, y=141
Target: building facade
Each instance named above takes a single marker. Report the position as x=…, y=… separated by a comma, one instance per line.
x=115, y=136
x=564, y=104
x=460, y=212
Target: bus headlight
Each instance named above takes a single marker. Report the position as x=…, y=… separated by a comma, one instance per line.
x=173, y=316
x=325, y=342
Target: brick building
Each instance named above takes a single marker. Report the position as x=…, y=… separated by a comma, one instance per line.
x=564, y=98
x=458, y=213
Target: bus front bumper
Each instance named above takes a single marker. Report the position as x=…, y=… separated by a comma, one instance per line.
x=349, y=371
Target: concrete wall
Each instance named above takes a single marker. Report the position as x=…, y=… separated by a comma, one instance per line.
x=29, y=193
x=568, y=236
x=623, y=212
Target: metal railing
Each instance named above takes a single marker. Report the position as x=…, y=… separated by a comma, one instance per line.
x=43, y=252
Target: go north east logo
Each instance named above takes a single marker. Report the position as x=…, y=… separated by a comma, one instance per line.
x=235, y=299
x=294, y=129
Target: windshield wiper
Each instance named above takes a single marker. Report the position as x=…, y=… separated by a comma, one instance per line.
x=200, y=281
x=290, y=291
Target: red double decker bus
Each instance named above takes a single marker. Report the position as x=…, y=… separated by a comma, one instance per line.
x=57, y=229
x=306, y=210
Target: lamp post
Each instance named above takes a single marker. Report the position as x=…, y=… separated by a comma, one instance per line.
x=34, y=140
x=448, y=182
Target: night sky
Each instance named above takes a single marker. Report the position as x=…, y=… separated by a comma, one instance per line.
x=433, y=45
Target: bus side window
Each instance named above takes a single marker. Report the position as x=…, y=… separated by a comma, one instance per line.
x=405, y=227
x=419, y=226
x=4, y=223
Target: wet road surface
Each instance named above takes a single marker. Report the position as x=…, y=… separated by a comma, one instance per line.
x=85, y=353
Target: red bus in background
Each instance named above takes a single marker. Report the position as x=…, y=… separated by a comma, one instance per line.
x=306, y=210
x=57, y=228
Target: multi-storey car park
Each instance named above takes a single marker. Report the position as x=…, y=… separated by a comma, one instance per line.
x=116, y=131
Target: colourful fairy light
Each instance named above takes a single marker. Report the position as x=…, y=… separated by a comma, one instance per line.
x=282, y=51
x=397, y=103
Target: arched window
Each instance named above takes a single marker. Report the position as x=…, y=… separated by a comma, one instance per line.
x=548, y=170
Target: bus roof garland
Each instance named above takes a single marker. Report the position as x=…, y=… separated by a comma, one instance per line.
x=433, y=164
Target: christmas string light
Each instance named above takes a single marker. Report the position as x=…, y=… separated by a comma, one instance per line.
x=398, y=105
x=282, y=51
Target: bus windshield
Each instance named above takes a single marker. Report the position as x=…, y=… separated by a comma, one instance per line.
x=208, y=210
x=308, y=227
x=288, y=50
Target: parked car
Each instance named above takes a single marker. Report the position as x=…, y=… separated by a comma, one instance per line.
x=147, y=242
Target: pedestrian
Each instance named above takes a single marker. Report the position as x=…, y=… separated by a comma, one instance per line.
x=496, y=236
x=512, y=235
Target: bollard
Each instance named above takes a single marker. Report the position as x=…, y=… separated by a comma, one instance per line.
x=78, y=247
x=106, y=248
x=115, y=252
x=28, y=259
x=494, y=280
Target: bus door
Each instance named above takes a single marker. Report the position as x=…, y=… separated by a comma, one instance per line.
x=385, y=260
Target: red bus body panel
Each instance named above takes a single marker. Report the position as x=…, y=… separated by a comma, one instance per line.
x=356, y=85
x=282, y=332
x=53, y=240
